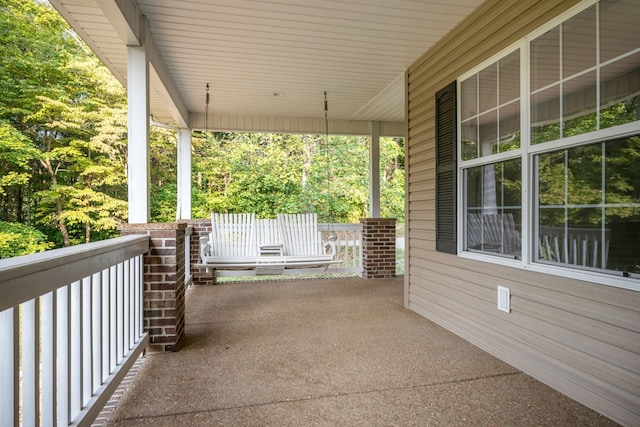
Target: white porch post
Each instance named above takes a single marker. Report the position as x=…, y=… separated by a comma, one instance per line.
x=138, y=158
x=374, y=171
x=184, y=174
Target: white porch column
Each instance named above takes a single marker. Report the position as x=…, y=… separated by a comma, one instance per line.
x=374, y=171
x=138, y=158
x=183, y=210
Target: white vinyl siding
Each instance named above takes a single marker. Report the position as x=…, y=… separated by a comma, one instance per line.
x=578, y=336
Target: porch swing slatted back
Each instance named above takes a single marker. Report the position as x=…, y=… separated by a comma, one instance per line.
x=242, y=235
x=233, y=234
x=578, y=246
x=267, y=233
x=300, y=234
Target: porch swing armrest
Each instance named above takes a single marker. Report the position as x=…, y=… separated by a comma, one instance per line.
x=329, y=246
x=205, y=248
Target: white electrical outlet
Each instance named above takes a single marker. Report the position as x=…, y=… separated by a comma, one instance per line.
x=504, y=299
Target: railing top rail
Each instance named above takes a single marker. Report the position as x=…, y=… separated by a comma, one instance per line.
x=29, y=276
x=339, y=226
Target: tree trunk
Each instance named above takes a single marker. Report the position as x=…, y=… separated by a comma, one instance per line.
x=46, y=163
x=87, y=232
x=19, y=202
x=5, y=208
x=226, y=181
x=308, y=153
x=61, y=225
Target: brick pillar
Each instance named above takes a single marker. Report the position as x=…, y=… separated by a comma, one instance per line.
x=201, y=228
x=378, y=248
x=164, y=286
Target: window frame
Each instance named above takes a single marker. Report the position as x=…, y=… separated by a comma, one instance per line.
x=527, y=153
x=519, y=153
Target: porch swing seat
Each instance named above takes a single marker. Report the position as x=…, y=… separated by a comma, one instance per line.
x=241, y=245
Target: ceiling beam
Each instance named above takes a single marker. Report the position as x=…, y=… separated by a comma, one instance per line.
x=167, y=90
x=124, y=16
x=223, y=123
x=60, y=6
x=131, y=27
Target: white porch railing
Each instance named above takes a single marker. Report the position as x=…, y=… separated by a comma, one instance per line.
x=348, y=246
x=71, y=326
x=188, y=278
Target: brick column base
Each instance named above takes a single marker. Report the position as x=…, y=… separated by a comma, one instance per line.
x=164, y=287
x=378, y=248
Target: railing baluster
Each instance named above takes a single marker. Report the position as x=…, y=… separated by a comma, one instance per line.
x=119, y=314
x=75, y=339
x=187, y=259
x=140, y=288
x=48, y=358
x=105, y=320
x=85, y=347
x=350, y=249
x=62, y=355
x=125, y=307
x=131, y=306
x=357, y=248
x=96, y=332
x=136, y=301
x=30, y=363
x=347, y=246
x=113, y=348
x=9, y=367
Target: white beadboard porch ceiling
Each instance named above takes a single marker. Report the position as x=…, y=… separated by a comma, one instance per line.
x=247, y=50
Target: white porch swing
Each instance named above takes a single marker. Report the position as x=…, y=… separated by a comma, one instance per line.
x=242, y=245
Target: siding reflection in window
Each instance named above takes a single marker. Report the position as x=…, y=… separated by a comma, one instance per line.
x=490, y=109
x=585, y=73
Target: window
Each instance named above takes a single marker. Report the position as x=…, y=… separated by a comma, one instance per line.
x=588, y=211
x=490, y=113
x=560, y=185
x=585, y=74
x=490, y=144
x=493, y=208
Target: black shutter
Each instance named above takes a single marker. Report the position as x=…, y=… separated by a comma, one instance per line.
x=446, y=170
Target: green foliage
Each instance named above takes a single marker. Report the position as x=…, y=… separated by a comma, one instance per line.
x=575, y=177
x=63, y=148
x=17, y=153
x=270, y=174
x=392, y=185
x=20, y=239
x=62, y=129
x=164, y=169
x=587, y=185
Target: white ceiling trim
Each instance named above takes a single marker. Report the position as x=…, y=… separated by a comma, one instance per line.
x=259, y=124
x=356, y=50
x=391, y=97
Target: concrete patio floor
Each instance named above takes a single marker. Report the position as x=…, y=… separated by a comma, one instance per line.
x=325, y=353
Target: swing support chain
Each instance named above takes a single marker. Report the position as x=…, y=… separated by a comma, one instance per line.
x=332, y=235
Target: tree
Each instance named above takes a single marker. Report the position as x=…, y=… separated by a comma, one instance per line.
x=164, y=169
x=20, y=239
x=17, y=154
x=63, y=148
x=58, y=95
x=261, y=173
x=392, y=183
x=574, y=178
x=270, y=174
